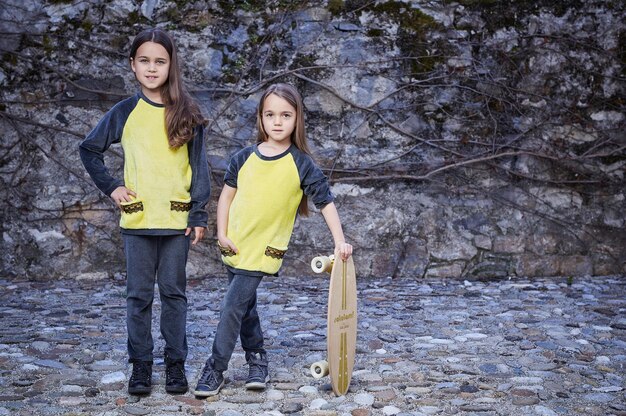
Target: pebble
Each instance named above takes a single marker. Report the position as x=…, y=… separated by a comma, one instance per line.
x=391, y=410
x=113, y=378
x=426, y=347
x=308, y=390
x=274, y=395
x=544, y=411
x=318, y=404
x=137, y=411
x=363, y=399
x=292, y=407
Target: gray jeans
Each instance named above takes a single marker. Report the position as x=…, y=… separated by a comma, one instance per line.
x=162, y=258
x=238, y=318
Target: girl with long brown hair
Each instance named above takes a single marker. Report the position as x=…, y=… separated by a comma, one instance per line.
x=162, y=200
x=264, y=186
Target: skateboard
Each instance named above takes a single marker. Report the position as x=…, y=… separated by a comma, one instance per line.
x=341, y=323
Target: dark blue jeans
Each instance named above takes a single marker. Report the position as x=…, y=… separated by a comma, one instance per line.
x=238, y=318
x=162, y=258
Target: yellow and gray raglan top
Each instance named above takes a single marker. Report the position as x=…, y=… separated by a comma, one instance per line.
x=262, y=214
x=172, y=185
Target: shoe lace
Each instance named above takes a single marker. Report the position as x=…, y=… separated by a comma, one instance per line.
x=258, y=368
x=175, y=371
x=208, y=376
x=140, y=371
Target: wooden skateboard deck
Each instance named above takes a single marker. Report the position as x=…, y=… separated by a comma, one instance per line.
x=341, y=322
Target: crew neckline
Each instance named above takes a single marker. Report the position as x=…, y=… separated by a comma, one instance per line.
x=278, y=156
x=149, y=101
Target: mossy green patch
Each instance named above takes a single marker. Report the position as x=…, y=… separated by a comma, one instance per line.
x=232, y=69
x=308, y=61
x=134, y=17
x=335, y=7
x=119, y=42
x=183, y=3
x=189, y=19
x=410, y=19
x=86, y=25
x=374, y=33
x=47, y=44
x=413, y=27
x=173, y=14
x=304, y=60
x=245, y=5
x=499, y=14
x=9, y=58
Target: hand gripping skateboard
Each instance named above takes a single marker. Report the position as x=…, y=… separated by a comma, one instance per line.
x=341, y=322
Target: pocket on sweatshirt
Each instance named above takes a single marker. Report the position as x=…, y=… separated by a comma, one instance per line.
x=132, y=214
x=179, y=213
x=226, y=251
x=229, y=257
x=273, y=258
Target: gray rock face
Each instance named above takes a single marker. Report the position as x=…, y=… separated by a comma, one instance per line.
x=462, y=139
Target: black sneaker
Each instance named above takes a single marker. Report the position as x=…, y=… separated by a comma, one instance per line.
x=210, y=382
x=140, y=381
x=257, y=371
x=175, y=379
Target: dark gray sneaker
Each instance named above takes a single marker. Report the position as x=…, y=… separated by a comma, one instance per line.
x=175, y=379
x=210, y=382
x=140, y=381
x=258, y=375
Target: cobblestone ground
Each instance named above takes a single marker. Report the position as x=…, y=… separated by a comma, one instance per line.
x=515, y=347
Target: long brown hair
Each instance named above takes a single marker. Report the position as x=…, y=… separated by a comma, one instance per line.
x=298, y=135
x=182, y=113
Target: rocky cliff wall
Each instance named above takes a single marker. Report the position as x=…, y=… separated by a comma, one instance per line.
x=471, y=138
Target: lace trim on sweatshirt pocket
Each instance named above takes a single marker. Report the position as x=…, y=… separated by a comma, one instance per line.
x=180, y=206
x=226, y=251
x=274, y=252
x=132, y=207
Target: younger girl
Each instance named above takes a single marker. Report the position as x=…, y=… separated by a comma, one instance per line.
x=264, y=187
x=162, y=200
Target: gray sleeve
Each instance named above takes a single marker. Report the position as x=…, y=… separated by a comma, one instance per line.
x=107, y=131
x=313, y=181
x=235, y=163
x=200, y=180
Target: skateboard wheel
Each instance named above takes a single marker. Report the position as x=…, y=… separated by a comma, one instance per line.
x=321, y=264
x=319, y=369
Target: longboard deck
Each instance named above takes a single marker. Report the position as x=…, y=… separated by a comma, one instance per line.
x=341, y=325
